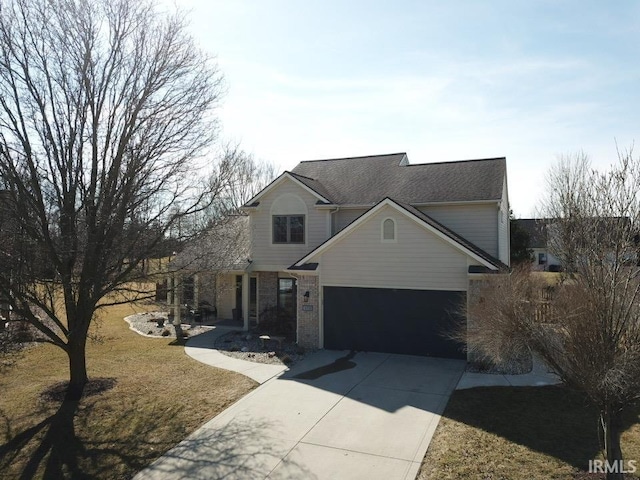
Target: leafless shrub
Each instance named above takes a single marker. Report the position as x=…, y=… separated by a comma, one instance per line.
x=588, y=330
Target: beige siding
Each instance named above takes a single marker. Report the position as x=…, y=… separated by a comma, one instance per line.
x=478, y=223
x=263, y=252
x=503, y=226
x=344, y=217
x=418, y=259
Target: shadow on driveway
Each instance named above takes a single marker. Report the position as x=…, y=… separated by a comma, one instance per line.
x=389, y=378
x=235, y=451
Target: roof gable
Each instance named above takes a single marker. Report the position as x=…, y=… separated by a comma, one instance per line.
x=419, y=217
x=310, y=185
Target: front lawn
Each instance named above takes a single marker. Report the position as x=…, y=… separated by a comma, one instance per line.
x=519, y=433
x=160, y=396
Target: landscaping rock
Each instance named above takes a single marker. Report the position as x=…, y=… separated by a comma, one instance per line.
x=149, y=324
x=251, y=348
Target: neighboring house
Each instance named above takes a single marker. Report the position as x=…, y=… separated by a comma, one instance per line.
x=537, y=228
x=373, y=253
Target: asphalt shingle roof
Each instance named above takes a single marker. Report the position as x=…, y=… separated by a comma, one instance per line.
x=537, y=230
x=367, y=180
x=313, y=184
x=224, y=246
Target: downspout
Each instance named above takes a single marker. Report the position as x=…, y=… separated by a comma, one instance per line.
x=331, y=214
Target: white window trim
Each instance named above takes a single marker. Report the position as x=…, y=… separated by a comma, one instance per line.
x=395, y=231
x=299, y=208
x=304, y=228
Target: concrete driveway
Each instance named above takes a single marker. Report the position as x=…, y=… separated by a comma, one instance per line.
x=333, y=416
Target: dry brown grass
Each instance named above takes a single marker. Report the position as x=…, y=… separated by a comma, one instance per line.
x=551, y=278
x=161, y=395
x=519, y=434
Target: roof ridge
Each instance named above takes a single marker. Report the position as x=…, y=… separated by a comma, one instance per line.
x=300, y=175
x=471, y=160
x=353, y=158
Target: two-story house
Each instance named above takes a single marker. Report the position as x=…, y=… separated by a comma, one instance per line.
x=374, y=253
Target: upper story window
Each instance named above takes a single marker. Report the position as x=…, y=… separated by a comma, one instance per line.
x=288, y=217
x=288, y=228
x=388, y=230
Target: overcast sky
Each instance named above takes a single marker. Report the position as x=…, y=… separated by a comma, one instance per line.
x=440, y=80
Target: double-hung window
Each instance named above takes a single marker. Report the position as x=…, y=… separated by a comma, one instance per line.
x=288, y=229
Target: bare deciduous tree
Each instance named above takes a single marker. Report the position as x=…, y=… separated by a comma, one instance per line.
x=249, y=177
x=224, y=241
x=589, y=331
x=105, y=108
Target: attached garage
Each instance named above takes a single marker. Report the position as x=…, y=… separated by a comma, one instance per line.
x=392, y=281
x=411, y=322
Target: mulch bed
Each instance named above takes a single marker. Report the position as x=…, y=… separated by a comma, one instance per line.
x=516, y=366
x=236, y=344
x=248, y=346
x=156, y=324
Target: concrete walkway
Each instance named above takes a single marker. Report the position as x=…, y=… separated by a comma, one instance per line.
x=201, y=348
x=333, y=415
x=538, y=377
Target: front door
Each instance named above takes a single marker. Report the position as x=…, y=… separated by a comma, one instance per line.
x=287, y=295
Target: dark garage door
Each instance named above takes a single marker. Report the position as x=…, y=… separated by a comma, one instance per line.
x=410, y=322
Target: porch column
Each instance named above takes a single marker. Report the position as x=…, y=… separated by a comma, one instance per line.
x=245, y=300
x=196, y=290
x=169, y=297
x=177, y=297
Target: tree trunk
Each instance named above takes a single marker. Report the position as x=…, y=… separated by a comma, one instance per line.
x=77, y=368
x=611, y=421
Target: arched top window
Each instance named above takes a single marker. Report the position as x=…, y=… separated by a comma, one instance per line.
x=388, y=230
x=288, y=204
